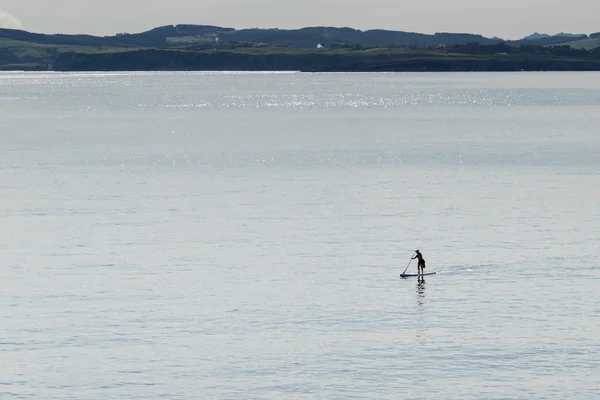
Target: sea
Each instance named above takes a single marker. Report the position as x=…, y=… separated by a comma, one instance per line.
x=221, y=235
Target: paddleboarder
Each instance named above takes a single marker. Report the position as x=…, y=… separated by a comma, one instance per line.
x=421, y=264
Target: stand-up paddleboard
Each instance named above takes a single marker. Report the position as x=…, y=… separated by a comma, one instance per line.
x=413, y=275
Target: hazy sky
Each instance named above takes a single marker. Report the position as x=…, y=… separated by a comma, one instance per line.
x=510, y=19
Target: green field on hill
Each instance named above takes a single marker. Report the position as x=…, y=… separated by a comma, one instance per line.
x=587, y=44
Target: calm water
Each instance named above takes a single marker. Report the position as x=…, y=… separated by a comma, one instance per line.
x=240, y=236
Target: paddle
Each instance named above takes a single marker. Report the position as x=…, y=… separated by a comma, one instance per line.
x=411, y=258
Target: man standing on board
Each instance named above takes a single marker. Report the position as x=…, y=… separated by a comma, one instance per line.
x=421, y=264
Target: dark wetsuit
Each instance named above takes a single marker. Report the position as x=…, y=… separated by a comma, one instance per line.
x=421, y=264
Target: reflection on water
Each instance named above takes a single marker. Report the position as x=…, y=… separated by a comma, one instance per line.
x=421, y=313
x=421, y=291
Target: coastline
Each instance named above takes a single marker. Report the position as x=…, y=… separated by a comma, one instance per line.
x=175, y=60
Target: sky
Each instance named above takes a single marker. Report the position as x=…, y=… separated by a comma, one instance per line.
x=508, y=19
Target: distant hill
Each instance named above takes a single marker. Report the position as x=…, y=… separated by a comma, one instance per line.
x=157, y=37
x=26, y=50
x=313, y=36
x=543, y=39
x=185, y=47
x=574, y=40
x=548, y=41
x=575, y=35
x=167, y=36
x=535, y=36
x=182, y=35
